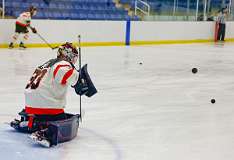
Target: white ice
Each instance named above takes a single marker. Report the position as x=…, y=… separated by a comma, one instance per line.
x=159, y=110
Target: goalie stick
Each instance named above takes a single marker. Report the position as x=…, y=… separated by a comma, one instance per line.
x=79, y=49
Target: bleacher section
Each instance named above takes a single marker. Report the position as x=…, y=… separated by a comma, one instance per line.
x=167, y=5
x=70, y=9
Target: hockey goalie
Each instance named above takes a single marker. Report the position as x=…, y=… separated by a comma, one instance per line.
x=45, y=99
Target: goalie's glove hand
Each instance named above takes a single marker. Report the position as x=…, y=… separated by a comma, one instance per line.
x=34, y=30
x=81, y=87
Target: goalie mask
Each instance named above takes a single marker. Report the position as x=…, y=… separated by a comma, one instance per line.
x=68, y=52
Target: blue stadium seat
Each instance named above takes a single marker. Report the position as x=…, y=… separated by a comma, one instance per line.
x=39, y=15
x=57, y=15
x=16, y=13
x=77, y=6
x=16, y=4
x=135, y=18
x=48, y=15
x=66, y=15
x=35, y=4
x=69, y=6
x=74, y=16
x=100, y=16
x=43, y=6
x=83, y=16
x=53, y=6
x=107, y=16
x=69, y=9
x=61, y=6
x=8, y=4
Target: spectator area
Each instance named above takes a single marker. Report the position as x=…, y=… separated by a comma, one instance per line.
x=70, y=9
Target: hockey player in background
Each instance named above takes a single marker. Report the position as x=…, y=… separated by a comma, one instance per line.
x=45, y=96
x=222, y=24
x=21, y=27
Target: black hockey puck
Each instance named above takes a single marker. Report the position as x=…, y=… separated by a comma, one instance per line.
x=212, y=100
x=194, y=70
x=140, y=63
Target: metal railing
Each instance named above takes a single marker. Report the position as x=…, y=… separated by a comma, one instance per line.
x=138, y=4
x=195, y=10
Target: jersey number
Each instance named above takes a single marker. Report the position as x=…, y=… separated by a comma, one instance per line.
x=36, y=78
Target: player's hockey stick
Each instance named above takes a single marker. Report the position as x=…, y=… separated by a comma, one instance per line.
x=79, y=49
x=46, y=42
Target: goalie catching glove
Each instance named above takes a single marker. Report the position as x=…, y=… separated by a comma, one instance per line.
x=84, y=85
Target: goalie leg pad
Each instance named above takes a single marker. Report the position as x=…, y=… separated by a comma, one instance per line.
x=85, y=85
x=54, y=132
x=63, y=130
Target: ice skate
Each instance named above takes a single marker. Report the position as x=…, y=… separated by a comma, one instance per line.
x=22, y=46
x=39, y=138
x=11, y=46
x=15, y=124
x=18, y=125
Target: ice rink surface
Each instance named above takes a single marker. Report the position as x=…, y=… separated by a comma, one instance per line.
x=159, y=110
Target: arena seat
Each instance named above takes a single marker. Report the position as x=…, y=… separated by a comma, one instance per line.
x=69, y=9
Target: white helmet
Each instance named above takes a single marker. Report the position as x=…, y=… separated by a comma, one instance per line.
x=69, y=52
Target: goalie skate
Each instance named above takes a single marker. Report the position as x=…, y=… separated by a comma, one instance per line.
x=39, y=138
x=21, y=126
x=15, y=124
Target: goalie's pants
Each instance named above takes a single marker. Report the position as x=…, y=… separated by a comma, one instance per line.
x=44, y=115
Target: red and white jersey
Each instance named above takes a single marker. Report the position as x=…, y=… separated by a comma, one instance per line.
x=24, y=19
x=48, y=86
